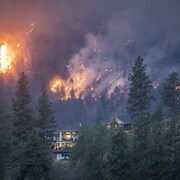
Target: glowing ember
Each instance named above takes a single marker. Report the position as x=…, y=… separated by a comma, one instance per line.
x=5, y=61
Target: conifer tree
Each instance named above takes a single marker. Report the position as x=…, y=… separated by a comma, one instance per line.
x=37, y=159
x=5, y=139
x=140, y=90
x=157, y=163
x=90, y=150
x=118, y=165
x=171, y=99
x=45, y=121
x=22, y=111
x=72, y=94
x=22, y=121
x=139, y=100
x=171, y=95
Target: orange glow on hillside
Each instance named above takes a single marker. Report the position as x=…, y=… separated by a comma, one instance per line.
x=64, y=88
x=7, y=57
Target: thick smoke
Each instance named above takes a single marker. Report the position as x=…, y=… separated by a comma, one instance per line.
x=149, y=29
x=56, y=34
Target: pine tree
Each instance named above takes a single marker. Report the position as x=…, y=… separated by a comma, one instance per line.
x=139, y=99
x=22, y=112
x=37, y=159
x=90, y=151
x=5, y=139
x=46, y=127
x=45, y=121
x=62, y=93
x=171, y=99
x=118, y=165
x=157, y=163
x=117, y=97
x=72, y=94
x=103, y=106
x=171, y=95
x=22, y=121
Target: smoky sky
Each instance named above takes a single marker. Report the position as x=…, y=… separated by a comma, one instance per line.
x=123, y=30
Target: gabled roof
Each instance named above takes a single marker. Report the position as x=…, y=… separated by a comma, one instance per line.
x=117, y=120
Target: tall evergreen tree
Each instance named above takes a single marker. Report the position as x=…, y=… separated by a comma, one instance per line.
x=103, y=106
x=118, y=165
x=157, y=163
x=140, y=90
x=5, y=139
x=90, y=151
x=37, y=159
x=138, y=105
x=22, y=120
x=117, y=97
x=45, y=121
x=171, y=95
x=171, y=99
x=139, y=98
x=22, y=111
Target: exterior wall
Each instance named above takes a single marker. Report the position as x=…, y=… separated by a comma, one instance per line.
x=64, y=141
x=116, y=124
x=61, y=156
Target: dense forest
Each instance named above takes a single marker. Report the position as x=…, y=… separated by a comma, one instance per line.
x=150, y=150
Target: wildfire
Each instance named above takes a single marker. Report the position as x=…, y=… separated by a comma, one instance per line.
x=68, y=88
x=84, y=81
x=5, y=60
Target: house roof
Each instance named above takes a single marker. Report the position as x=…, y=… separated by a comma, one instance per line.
x=119, y=121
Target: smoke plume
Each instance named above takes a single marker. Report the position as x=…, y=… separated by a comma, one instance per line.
x=99, y=39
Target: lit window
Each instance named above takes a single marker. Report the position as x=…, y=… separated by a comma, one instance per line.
x=68, y=135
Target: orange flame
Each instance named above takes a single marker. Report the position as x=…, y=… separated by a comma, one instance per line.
x=5, y=59
x=66, y=87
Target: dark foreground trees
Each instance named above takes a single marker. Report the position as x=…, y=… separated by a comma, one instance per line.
x=5, y=139
x=22, y=121
x=118, y=164
x=171, y=99
x=90, y=153
x=31, y=157
x=45, y=119
x=150, y=151
x=139, y=99
x=37, y=158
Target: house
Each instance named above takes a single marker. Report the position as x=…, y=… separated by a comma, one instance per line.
x=116, y=123
x=64, y=140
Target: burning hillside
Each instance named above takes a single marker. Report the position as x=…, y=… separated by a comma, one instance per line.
x=6, y=58
x=90, y=71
